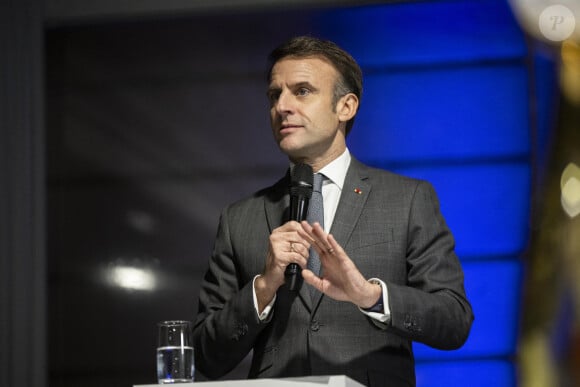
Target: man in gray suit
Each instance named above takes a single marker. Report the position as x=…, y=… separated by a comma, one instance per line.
x=389, y=274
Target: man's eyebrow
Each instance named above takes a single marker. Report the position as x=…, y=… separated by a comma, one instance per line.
x=303, y=84
x=297, y=85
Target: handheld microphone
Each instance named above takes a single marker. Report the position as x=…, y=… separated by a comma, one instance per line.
x=301, y=180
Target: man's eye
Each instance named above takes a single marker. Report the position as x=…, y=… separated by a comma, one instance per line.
x=302, y=92
x=273, y=97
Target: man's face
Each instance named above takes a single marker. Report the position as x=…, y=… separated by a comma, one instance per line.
x=305, y=122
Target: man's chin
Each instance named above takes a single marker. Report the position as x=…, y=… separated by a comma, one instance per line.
x=289, y=148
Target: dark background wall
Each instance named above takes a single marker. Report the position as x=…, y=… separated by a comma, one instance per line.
x=153, y=128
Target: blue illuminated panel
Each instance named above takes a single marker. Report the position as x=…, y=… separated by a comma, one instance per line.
x=484, y=373
x=493, y=287
x=425, y=32
x=474, y=112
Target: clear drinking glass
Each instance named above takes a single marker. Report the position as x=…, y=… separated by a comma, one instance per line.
x=174, y=352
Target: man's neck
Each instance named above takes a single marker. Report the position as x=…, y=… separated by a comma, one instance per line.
x=318, y=163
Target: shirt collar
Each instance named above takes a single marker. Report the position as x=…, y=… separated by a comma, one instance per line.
x=335, y=171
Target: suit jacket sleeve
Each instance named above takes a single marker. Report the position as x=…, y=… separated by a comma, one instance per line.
x=431, y=307
x=227, y=324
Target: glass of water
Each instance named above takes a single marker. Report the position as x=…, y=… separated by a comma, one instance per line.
x=174, y=352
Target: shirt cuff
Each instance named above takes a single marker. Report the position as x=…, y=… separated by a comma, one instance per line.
x=385, y=315
x=266, y=312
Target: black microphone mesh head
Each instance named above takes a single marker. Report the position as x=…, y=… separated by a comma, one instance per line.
x=301, y=180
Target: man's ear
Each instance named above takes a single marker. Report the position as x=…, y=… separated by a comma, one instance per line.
x=346, y=107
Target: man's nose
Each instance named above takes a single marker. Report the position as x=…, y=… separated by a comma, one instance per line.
x=284, y=103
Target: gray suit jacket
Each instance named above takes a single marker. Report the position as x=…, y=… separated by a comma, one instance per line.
x=392, y=229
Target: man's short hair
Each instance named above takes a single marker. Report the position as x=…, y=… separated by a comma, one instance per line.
x=350, y=74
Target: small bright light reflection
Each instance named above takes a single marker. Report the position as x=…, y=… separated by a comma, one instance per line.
x=570, y=185
x=132, y=278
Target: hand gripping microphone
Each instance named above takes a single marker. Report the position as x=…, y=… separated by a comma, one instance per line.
x=301, y=180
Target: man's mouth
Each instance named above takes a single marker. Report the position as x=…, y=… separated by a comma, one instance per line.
x=284, y=128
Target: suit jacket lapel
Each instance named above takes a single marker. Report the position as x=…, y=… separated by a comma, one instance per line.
x=277, y=203
x=354, y=195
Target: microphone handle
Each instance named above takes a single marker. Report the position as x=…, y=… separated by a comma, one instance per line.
x=298, y=211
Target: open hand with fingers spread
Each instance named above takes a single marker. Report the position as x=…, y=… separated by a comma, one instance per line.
x=341, y=279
